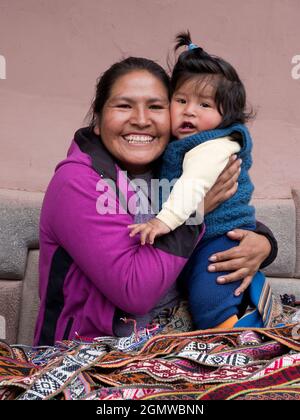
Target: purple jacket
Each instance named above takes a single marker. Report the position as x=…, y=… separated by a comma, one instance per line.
x=89, y=266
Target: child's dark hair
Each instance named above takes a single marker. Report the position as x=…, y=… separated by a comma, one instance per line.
x=230, y=94
x=106, y=81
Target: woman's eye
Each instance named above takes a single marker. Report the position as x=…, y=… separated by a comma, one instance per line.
x=123, y=106
x=156, y=107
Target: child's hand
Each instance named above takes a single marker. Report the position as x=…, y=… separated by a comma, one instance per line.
x=149, y=230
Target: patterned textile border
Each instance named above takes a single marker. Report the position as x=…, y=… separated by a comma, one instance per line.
x=78, y=388
x=52, y=382
x=12, y=368
x=276, y=364
x=272, y=394
x=161, y=372
x=124, y=393
x=282, y=377
x=272, y=367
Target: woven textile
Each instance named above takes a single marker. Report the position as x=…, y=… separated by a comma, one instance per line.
x=167, y=362
x=280, y=378
x=272, y=394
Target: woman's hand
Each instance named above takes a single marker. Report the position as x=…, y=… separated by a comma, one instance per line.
x=225, y=186
x=243, y=260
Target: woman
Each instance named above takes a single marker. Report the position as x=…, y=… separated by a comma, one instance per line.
x=91, y=271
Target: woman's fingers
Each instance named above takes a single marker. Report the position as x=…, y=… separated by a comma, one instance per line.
x=237, y=234
x=225, y=186
x=231, y=182
x=226, y=182
x=234, y=252
x=229, y=254
x=230, y=265
x=231, y=160
x=246, y=282
x=235, y=276
x=225, y=193
x=231, y=169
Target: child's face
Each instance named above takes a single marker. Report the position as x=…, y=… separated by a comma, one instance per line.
x=193, y=109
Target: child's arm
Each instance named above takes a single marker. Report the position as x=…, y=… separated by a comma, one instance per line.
x=201, y=167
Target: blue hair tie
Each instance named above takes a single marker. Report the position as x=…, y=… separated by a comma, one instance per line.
x=192, y=46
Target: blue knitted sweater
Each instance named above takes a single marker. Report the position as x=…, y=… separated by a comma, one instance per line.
x=236, y=211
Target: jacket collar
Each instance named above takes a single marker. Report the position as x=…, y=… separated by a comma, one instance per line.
x=91, y=144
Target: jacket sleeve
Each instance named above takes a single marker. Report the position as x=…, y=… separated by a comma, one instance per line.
x=131, y=276
x=265, y=231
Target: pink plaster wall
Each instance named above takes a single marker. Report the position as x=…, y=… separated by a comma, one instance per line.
x=55, y=49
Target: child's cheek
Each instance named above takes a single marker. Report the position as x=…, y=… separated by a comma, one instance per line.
x=174, y=115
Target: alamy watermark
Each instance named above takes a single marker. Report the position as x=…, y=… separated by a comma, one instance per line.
x=296, y=69
x=139, y=197
x=2, y=67
x=2, y=328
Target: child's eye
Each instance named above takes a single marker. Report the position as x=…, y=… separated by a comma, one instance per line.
x=205, y=105
x=180, y=100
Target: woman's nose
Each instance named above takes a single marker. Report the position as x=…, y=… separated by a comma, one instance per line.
x=140, y=118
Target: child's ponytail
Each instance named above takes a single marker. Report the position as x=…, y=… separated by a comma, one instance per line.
x=183, y=39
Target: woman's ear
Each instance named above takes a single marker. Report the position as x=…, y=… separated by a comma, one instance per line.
x=97, y=130
x=97, y=125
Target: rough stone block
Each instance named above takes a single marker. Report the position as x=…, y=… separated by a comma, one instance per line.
x=19, y=216
x=280, y=216
x=30, y=300
x=296, y=196
x=10, y=301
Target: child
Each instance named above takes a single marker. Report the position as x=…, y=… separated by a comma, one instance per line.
x=207, y=116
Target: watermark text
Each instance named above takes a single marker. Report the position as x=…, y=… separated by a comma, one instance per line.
x=2, y=67
x=296, y=69
x=138, y=197
x=2, y=328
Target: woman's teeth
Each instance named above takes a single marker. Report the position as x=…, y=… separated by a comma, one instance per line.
x=138, y=139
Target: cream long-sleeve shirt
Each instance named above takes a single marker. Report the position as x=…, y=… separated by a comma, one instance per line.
x=201, y=167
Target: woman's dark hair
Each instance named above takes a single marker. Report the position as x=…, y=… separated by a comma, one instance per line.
x=106, y=81
x=230, y=94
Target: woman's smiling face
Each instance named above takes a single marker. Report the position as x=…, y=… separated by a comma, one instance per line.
x=135, y=121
